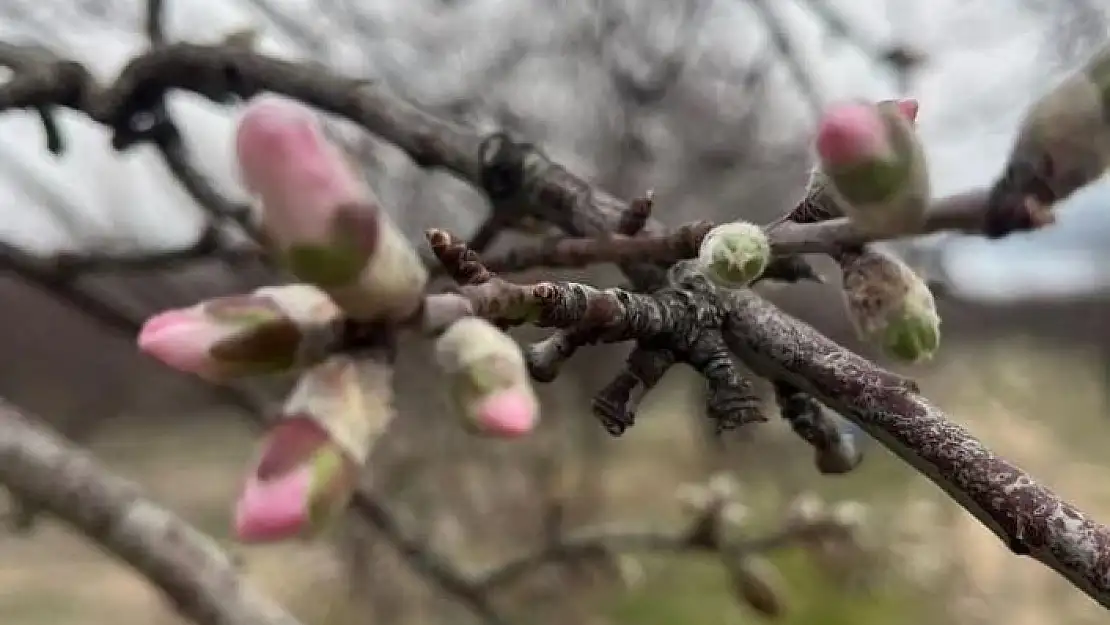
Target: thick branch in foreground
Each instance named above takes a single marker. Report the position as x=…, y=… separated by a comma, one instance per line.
x=192, y=571
x=1029, y=518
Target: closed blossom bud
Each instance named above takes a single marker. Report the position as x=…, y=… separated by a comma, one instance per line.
x=891, y=306
x=759, y=585
x=1063, y=141
x=874, y=165
x=631, y=571
x=723, y=486
x=271, y=330
x=735, y=515
x=805, y=509
x=734, y=254
x=850, y=515
x=488, y=378
x=694, y=499
x=323, y=221
x=309, y=463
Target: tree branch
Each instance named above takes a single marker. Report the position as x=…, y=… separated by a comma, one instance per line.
x=436, y=568
x=1026, y=516
x=189, y=567
x=682, y=321
x=37, y=68
x=589, y=542
x=716, y=527
x=965, y=213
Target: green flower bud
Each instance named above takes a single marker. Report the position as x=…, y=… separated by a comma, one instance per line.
x=890, y=306
x=733, y=255
x=1062, y=145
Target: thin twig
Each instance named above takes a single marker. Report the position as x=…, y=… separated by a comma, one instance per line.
x=964, y=213
x=591, y=541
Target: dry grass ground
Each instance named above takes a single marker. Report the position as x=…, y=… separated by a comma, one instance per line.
x=1044, y=410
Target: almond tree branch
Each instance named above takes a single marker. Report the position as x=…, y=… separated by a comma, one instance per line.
x=676, y=324
x=682, y=321
x=160, y=129
x=436, y=568
x=69, y=84
x=187, y=566
x=716, y=526
x=603, y=540
x=1029, y=518
x=964, y=212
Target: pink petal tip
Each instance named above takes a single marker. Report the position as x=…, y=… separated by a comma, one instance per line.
x=509, y=414
x=299, y=175
x=274, y=124
x=850, y=133
x=909, y=108
x=274, y=510
x=155, y=325
x=180, y=341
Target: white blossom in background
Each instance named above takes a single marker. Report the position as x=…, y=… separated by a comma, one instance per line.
x=528, y=59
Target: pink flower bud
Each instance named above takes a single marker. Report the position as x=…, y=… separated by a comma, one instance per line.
x=183, y=339
x=301, y=178
x=874, y=165
x=325, y=224
x=301, y=482
x=272, y=329
x=489, y=381
x=309, y=463
x=275, y=509
x=851, y=133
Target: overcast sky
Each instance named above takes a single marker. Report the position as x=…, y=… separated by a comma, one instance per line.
x=988, y=62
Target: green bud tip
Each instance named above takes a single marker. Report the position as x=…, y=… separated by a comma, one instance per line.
x=892, y=307
x=734, y=254
x=913, y=335
x=332, y=486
